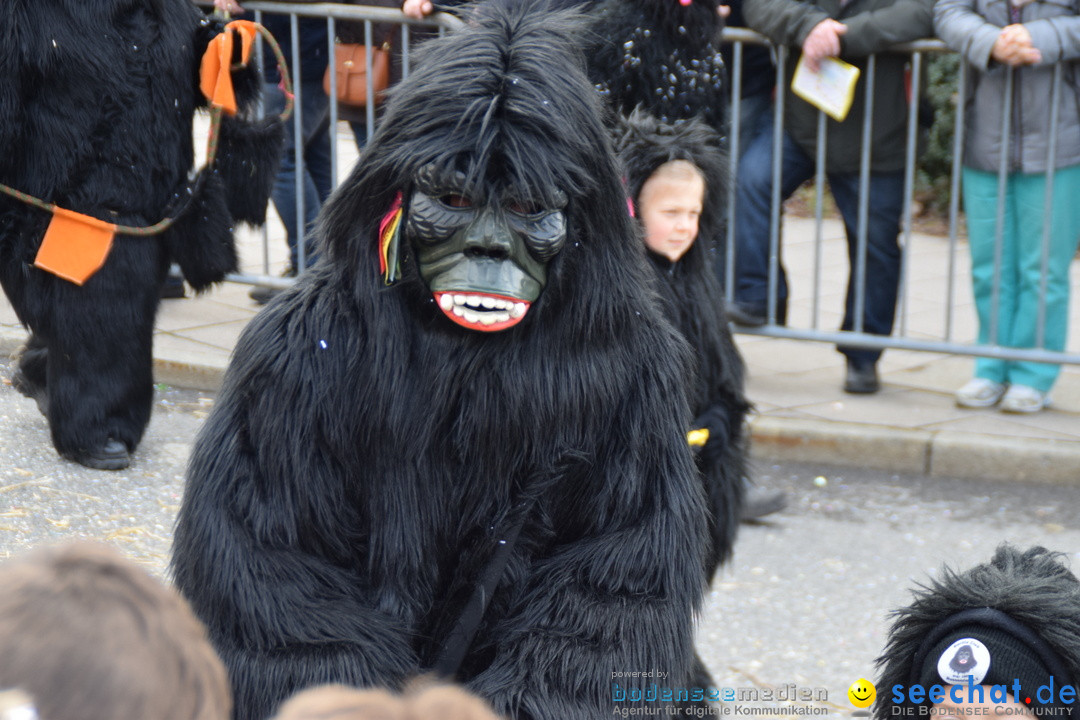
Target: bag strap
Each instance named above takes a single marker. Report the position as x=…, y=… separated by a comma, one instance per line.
x=459, y=639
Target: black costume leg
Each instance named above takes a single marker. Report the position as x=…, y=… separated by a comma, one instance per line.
x=89, y=357
x=100, y=374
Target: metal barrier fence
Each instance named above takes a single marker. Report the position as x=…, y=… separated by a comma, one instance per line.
x=903, y=336
x=945, y=338
x=332, y=13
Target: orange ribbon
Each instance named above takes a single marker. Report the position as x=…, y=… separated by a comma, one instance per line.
x=215, y=79
x=75, y=245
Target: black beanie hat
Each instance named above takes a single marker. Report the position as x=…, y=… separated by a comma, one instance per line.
x=1018, y=616
x=987, y=647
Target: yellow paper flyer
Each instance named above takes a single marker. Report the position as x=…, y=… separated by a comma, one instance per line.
x=831, y=88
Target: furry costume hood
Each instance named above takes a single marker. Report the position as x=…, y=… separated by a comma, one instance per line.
x=491, y=113
x=1032, y=587
x=644, y=144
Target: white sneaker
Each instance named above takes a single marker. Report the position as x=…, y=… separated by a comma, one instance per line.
x=1024, y=399
x=979, y=393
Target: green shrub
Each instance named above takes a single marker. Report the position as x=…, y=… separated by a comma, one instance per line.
x=934, y=173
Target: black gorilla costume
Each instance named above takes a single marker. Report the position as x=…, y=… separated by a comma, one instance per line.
x=373, y=445
x=661, y=55
x=692, y=298
x=96, y=109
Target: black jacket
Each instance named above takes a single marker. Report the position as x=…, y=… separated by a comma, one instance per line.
x=873, y=27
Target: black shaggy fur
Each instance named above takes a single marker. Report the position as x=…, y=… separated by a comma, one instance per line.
x=1033, y=587
x=96, y=105
x=693, y=298
x=247, y=163
x=662, y=56
x=366, y=454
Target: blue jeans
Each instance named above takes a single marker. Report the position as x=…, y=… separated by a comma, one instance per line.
x=753, y=197
x=755, y=117
x=315, y=167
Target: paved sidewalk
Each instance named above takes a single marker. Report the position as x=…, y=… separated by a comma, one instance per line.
x=912, y=425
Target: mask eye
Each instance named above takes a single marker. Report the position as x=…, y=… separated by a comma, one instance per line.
x=522, y=207
x=455, y=201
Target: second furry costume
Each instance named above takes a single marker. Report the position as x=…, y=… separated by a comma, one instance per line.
x=96, y=105
x=661, y=55
x=471, y=394
x=692, y=298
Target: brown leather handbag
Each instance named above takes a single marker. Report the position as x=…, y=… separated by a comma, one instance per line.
x=350, y=64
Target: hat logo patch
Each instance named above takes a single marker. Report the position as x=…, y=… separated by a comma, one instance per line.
x=967, y=657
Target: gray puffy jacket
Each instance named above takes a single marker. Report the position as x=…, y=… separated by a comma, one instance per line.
x=971, y=27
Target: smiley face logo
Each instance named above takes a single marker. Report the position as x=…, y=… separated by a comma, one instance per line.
x=861, y=693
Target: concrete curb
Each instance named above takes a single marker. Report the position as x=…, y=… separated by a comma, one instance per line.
x=191, y=371
x=942, y=453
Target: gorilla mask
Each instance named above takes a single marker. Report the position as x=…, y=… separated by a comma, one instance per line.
x=483, y=258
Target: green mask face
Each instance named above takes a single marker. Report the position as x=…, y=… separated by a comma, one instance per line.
x=485, y=263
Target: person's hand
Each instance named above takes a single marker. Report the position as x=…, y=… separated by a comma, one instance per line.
x=723, y=10
x=1013, y=47
x=417, y=8
x=230, y=6
x=822, y=42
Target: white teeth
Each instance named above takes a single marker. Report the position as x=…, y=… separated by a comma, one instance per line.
x=483, y=309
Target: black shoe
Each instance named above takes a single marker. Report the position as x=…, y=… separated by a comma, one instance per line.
x=262, y=294
x=173, y=288
x=32, y=390
x=746, y=315
x=862, y=378
x=759, y=502
x=112, y=455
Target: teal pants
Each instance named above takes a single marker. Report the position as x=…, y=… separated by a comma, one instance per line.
x=1021, y=268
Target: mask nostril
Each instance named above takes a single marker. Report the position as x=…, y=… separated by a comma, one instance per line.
x=484, y=253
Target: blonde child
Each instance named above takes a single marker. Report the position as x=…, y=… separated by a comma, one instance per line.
x=675, y=179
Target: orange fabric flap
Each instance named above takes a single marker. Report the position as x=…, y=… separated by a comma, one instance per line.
x=214, y=78
x=75, y=245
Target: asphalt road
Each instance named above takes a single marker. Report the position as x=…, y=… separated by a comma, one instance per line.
x=45, y=499
x=804, y=600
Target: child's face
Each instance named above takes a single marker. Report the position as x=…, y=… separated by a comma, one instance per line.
x=670, y=204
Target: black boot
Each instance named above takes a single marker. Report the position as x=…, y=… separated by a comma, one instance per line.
x=110, y=455
x=759, y=502
x=861, y=378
